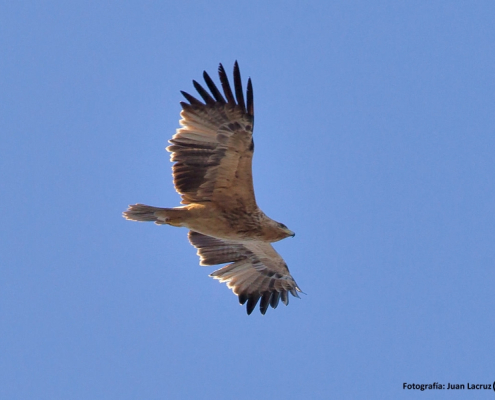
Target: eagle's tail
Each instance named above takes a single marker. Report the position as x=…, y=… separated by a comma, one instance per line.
x=142, y=212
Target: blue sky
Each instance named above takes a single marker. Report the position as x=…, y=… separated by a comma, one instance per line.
x=375, y=143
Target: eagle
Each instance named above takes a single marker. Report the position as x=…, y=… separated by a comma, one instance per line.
x=212, y=154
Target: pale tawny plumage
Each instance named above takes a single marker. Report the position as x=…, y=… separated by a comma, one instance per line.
x=213, y=154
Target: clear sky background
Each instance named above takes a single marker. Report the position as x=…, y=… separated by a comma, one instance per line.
x=375, y=143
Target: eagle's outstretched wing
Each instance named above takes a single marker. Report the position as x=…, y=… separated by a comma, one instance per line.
x=213, y=150
x=257, y=270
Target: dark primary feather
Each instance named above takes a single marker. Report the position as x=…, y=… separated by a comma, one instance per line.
x=274, y=299
x=285, y=297
x=251, y=304
x=191, y=99
x=238, y=86
x=243, y=298
x=204, y=94
x=225, y=85
x=265, y=301
x=250, y=101
x=213, y=88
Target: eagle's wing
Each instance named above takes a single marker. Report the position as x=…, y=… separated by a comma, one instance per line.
x=257, y=270
x=213, y=150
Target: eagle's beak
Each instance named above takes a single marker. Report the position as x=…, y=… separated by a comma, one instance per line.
x=292, y=234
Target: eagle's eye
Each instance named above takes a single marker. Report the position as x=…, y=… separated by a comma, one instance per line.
x=282, y=226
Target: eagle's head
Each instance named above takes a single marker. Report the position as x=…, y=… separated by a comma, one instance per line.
x=282, y=231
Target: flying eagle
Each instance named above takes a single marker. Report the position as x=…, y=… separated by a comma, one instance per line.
x=212, y=155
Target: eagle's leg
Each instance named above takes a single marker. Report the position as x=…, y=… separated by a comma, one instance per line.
x=170, y=221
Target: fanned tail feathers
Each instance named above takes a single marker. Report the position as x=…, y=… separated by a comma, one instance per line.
x=142, y=212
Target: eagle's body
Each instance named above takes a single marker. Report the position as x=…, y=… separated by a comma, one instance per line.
x=213, y=154
x=212, y=220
